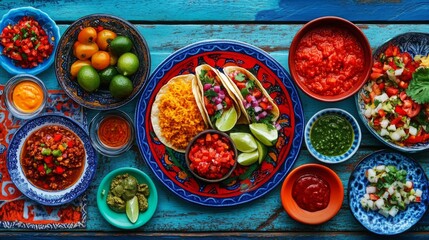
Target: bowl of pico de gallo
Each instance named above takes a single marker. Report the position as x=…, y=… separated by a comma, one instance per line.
x=394, y=102
x=28, y=39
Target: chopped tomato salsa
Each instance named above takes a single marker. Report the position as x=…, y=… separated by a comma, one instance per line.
x=329, y=60
x=211, y=156
x=26, y=43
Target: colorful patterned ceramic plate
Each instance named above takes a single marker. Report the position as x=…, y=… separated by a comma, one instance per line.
x=415, y=44
x=51, y=198
x=374, y=221
x=246, y=183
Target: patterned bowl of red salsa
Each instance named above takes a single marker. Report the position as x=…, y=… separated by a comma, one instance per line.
x=28, y=41
x=330, y=59
x=211, y=156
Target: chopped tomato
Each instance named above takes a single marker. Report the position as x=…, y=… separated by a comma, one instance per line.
x=58, y=137
x=391, y=91
x=400, y=111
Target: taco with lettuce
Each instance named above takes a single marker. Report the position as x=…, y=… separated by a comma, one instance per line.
x=256, y=104
x=220, y=106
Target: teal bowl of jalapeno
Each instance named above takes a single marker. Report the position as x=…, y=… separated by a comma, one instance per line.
x=332, y=135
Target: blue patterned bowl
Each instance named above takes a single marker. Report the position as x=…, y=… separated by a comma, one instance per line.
x=45, y=197
x=333, y=159
x=13, y=17
x=414, y=44
x=100, y=99
x=374, y=221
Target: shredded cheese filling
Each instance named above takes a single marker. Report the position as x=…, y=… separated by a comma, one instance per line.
x=179, y=118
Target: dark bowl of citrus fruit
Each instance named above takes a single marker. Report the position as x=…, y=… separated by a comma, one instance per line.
x=102, y=62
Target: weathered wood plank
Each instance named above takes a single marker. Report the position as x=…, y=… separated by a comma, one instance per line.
x=229, y=10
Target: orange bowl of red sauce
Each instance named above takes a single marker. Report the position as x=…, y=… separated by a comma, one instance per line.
x=25, y=96
x=112, y=132
x=330, y=59
x=312, y=194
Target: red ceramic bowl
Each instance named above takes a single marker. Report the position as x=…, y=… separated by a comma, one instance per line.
x=335, y=199
x=329, y=22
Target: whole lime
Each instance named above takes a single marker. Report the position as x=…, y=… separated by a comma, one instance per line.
x=120, y=45
x=121, y=87
x=88, y=78
x=106, y=75
x=128, y=64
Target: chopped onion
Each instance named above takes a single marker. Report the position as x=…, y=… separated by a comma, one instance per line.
x=221, y=94
x=263, y=114
x=216, y=88
x=219, y=106
x=257, y=109
x=207, y=86
x=257, y=118
x=247, y=105
x=269, y=107
x=371, y=189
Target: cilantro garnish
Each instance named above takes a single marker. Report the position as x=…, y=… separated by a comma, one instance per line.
x=204, y=78
x=418, y=89
x=210, y=93
x=240, y=77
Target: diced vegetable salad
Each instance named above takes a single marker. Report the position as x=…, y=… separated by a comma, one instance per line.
x=388, y=192
x=396, y=97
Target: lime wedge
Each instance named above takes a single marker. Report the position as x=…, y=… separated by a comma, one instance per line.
x=267, y=135
x=247, y=158
x=227, y=121
x=262, y=151
x=244, y=142
x=132, y=209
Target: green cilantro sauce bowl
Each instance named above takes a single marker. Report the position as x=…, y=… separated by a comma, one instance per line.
x=332, y=135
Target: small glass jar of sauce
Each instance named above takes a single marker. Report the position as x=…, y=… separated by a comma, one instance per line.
x=25, y=96
x=111, y=132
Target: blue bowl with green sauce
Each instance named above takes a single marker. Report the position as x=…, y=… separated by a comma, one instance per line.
x=332, y=135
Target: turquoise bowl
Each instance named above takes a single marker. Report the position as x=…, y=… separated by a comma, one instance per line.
x=11, y=18
x=333, y=159
x=120, y=220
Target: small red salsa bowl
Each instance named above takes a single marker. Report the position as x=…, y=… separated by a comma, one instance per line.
x=199, y=156
x=336, y=194
x=330, y=59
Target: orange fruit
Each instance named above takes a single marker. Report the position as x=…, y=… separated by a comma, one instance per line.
x=87, y=35
x=77, y=65
x=100, y=60
x=85, y=50
x=104, y=37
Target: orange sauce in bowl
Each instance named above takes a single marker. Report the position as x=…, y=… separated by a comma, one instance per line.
x=114, y=132
x=27, y=96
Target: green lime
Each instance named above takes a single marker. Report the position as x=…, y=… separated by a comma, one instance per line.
x=106, y=75
x=132, y=209
x=265, y=133
x=244, y=142
x=121, y=86
x=247, y=158
x=227, y=120
x=88, y=78
x=262, y=151
x=128, y=64
x=120, y=45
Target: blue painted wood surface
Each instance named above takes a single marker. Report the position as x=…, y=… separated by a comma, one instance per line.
x=270, y=25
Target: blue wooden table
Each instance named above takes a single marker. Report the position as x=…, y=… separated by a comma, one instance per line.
x=170, y=25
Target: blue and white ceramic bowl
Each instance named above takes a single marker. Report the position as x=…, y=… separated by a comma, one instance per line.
x=415, y=44
x=333, y=159
x=51, y=198
x=13, y=17
x=374, y=221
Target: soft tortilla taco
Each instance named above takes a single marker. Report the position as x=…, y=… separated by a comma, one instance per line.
x=255, y=102
x=220, y=106
x=176, y=115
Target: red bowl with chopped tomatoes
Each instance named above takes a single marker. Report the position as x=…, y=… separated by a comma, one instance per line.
x=28, y=41
x=211, y=156
x=330, y=59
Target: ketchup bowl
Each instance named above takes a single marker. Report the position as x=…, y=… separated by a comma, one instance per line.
x=330, y=59
x=306, y=207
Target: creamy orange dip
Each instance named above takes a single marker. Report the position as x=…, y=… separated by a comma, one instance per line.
x=27, y=96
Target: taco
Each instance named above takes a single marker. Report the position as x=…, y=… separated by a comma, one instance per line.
x=255, y=102
x=176, y=114
x=220, y=106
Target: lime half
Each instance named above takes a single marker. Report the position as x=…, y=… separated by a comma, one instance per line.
x=244, y=142
x=262, y=151
x=227, y=121
x=267, y=135
x=247, y=158
x=132, y=209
